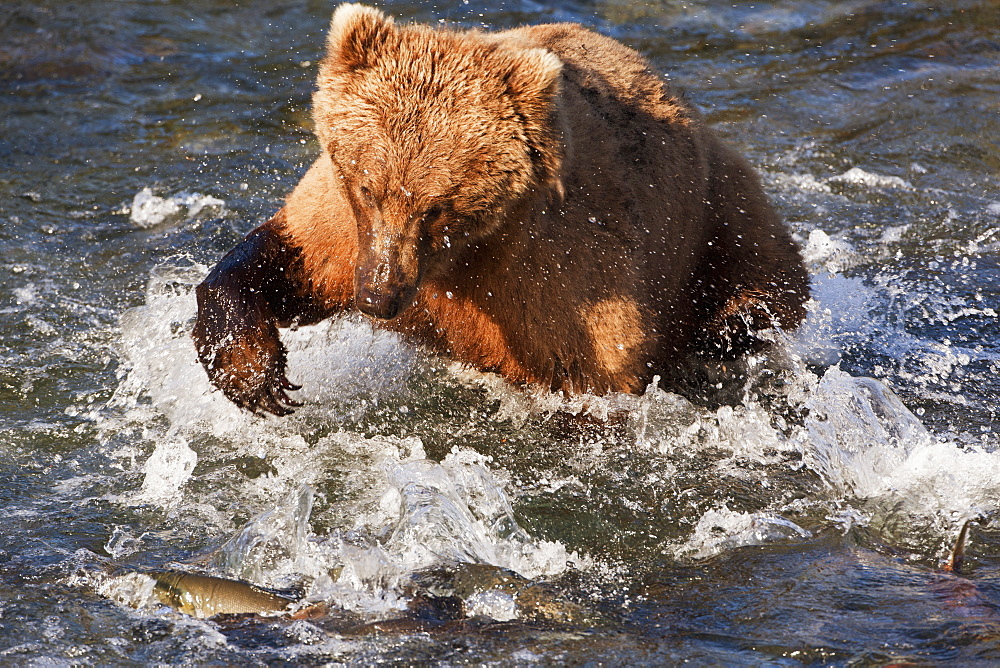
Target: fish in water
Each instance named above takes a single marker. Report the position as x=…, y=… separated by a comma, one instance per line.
x=466, y=582
x=957, y=557
x=205, y=596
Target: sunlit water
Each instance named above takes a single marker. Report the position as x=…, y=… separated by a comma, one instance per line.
x=427, y=513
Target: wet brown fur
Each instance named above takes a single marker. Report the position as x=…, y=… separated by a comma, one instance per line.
x=534, y=202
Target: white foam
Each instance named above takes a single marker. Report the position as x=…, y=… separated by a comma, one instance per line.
x=893, y=234
x=135, y=590
x=833, y=255
x=27, y=295
x=497, y=605
x=721, y=529
x=166, y=471
x=874, y=455
x=803, y=182
x=149, y=210
x=859, y=177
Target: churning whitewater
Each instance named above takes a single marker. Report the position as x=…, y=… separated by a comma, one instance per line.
x=390, y=512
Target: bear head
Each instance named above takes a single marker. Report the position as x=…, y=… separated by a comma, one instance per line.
x=437, y=137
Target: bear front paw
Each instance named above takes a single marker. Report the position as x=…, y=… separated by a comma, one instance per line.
x=244, y=356
x=251, y=373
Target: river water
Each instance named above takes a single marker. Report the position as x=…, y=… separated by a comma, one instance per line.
x=430, y=514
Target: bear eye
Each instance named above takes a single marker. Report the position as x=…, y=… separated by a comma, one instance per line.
x=432, y=214
x=366, y=196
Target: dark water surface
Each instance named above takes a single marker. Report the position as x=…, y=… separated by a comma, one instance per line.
x=140, y=140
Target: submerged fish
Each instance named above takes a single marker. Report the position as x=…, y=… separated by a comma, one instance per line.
x=206, y=596
x=472, y=584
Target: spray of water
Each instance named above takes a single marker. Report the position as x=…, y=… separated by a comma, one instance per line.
x=347, y=512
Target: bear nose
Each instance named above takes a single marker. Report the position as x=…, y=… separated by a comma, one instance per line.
x=378, y=304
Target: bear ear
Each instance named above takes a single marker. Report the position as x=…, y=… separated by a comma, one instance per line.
x=533, y=84
x=356, y=36
x=534, y=79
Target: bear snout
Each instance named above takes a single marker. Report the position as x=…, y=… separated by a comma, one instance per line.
x=381, y=291
x=378, y=304
x=387, y=272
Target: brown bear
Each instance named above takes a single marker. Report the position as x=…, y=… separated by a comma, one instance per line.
x=535, y=203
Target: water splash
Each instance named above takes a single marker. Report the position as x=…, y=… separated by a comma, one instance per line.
x=416, y=514
x=455, y=512
x=859, y=433
x=341, y=361
x=720, y=530
x=387, y=511
x=149, y=210
x=166, y=471
x=274, y=548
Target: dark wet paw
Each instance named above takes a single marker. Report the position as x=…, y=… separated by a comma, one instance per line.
x=249, y=368
x=273, y=398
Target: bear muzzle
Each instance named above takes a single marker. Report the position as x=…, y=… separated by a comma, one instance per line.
x=379, y=304
x=387, y=270
x=382, y=292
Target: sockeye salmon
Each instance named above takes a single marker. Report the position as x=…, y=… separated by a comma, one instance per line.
x=205, y=596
